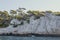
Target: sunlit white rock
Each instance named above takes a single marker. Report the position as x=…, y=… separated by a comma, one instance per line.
x=48, y=24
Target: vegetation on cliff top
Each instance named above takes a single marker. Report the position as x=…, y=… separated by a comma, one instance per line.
x=20, y=14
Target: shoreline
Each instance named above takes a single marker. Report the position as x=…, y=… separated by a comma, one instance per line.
x=31, y=35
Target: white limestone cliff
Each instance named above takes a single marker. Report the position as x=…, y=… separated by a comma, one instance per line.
x=48, y=24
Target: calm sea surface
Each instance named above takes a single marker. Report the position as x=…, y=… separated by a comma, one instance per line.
x=28, y=38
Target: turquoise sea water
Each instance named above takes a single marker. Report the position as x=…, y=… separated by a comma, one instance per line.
x=28, y=38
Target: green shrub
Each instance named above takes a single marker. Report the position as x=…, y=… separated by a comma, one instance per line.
x=37, y=17
x=28, y=21
x=22, y=23
x=57, y=14
x=3, y=25
x=15, y=25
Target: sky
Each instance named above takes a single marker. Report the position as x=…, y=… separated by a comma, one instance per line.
x=53, y=5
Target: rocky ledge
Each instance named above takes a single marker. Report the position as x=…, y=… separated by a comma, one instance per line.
x=31, y=35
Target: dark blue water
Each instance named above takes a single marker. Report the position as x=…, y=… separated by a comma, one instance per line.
x=28, y=38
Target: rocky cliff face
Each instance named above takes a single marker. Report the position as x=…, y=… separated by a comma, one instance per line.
x=48, y=24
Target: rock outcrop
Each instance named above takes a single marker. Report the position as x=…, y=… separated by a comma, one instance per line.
x=48, y=24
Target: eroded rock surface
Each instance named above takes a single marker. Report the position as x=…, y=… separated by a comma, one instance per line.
x=48, y=24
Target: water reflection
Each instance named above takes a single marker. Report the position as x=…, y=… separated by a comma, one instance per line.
x=28, y=38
